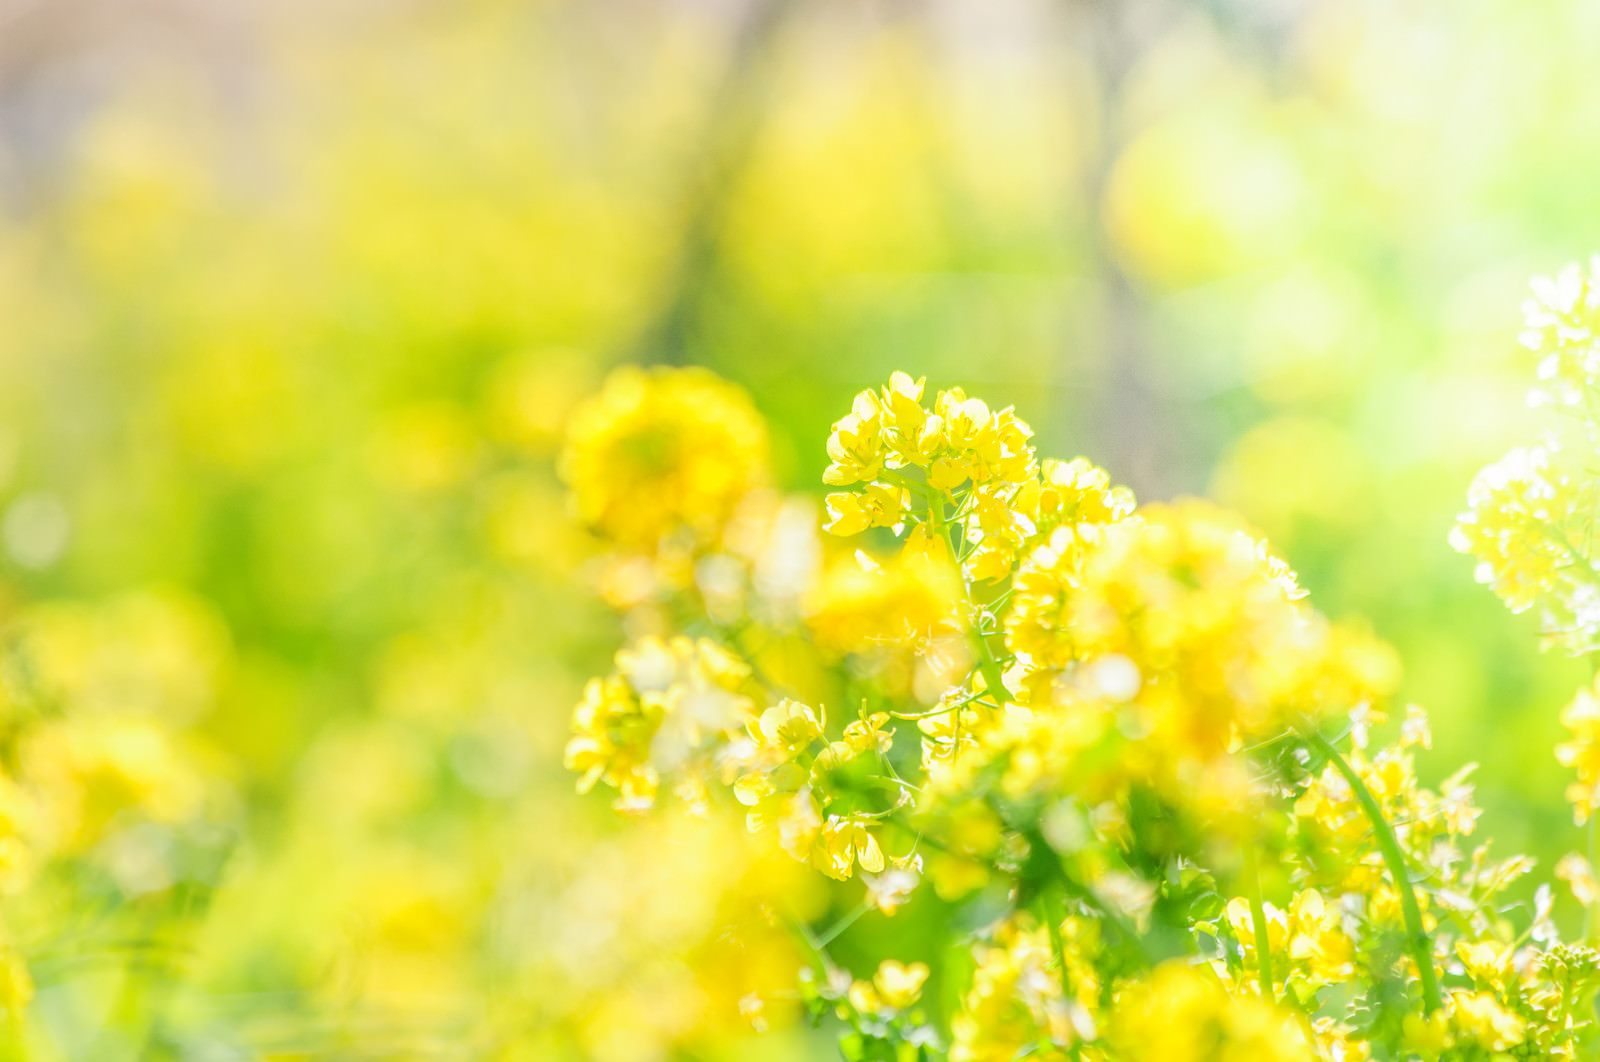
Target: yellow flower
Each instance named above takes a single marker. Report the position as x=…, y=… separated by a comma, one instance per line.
x=968, y=424
x=1415, y=729
x=911, y=433
x=788, y=727
x=889, y=891
x=90, y=771
x=864, y=998
x=1335, y=1043
x=878, y=505
x=1177, y=1014
x=1209, y=628
x=1078, y=492
x=846, y=841
x=1428, y=1035
x=658, y=451
x=1526, y=522
x=1581, y=752
x=1477, y=1018
x=1242, y=922
x=869, y=735
x=997, y=529
x=1390, y=776
x=1485, y=961
x=946, y=735
x=781, y=800
x=855, y=449
x=1575, y=870
x=1318, y=944
x=1016, y=999
x=668, y=708
x=899, y=985
x=977, y=444
x=1562, y=329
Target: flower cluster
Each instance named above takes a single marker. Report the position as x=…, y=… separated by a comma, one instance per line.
x=1530, y=518
x=1308, y=945
x=1107, y=737
x=105, y=780
x=664, y=709
x=1530, y=524
x=1181, y=616
x=1562, y=329
x=1021, y=995
x=1581, y=751
x=1179, y=1014
x=665, y=467
x=657, y=454
x=960, y=448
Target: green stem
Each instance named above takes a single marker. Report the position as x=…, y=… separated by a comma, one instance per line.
x=900, y=479
x=1566, y=1010
x=1050, y=909
x=948, y=708
x=843, y=924
x=802, y=933
x=1421, y=944
x=1258, y=918
x=993, y=676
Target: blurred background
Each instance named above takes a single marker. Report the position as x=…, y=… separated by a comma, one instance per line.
x=294, y=298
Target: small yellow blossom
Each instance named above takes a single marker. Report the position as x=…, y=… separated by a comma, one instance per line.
x=899, y=985
x=1581, y=751
x=1575, y=870
x=870, y=734
x=1078, y=492
x=877, y=505
x=847, y=841
x=856, y=446
x=788, y=727
x=890, y=891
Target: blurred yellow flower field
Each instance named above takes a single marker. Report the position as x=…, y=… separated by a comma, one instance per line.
x=710, y=530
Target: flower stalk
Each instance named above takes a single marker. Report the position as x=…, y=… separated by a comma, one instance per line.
x=1416, y=936
x=1258, y=919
